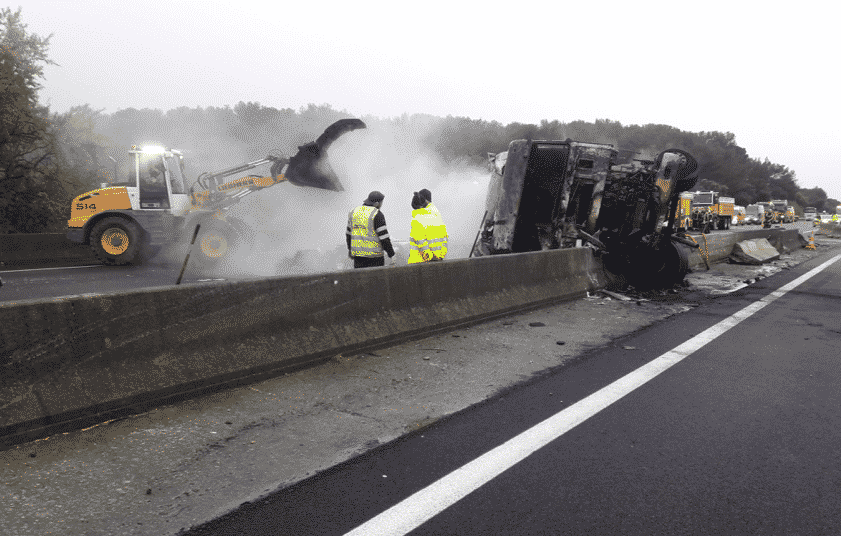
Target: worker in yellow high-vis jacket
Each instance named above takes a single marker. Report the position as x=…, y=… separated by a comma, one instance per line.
x=367, y=235
x=428, y=236
x=427, y=195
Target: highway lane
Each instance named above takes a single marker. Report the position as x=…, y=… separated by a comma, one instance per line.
x=43, y=283
x=741, y=436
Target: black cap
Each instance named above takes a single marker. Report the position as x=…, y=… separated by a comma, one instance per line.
x=375, y=197
x=426, y=194
x=418, y=201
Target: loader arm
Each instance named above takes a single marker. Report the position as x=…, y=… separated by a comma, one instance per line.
x=309, y=167
x=217, y=195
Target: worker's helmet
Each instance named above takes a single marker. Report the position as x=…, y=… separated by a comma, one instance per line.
x=375, y=197
x=418, y=201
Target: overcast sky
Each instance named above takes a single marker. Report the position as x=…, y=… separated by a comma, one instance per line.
x=766, y=71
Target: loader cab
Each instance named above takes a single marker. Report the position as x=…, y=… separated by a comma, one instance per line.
x=159, y=176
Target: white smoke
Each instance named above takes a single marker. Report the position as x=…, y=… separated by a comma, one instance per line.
x=302, y=230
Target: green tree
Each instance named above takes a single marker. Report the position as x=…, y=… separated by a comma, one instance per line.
x=29, y=201
x=31, y=198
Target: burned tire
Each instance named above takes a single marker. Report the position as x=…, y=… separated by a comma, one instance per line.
x=658, y=269
x=117, y=241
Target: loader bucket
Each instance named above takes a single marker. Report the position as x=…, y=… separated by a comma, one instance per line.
x=310, y=165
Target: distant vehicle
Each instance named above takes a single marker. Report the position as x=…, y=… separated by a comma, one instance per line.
x=754, y=214
x=783, y=212
x=810, y=213
x=739, y=215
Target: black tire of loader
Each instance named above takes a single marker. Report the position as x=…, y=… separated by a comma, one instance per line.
x=133, y=253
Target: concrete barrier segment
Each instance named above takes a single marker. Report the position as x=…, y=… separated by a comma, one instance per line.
x=830, y=230
x=70, y=362
x=717, y=246
x=756, y=251
x=42, y=250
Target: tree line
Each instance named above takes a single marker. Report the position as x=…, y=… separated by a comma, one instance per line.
x=47, y=158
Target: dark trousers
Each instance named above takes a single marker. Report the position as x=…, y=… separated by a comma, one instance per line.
x=368, y=262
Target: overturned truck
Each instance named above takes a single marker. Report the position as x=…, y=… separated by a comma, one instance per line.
x=559, y=194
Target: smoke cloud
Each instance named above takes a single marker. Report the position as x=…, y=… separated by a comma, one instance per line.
x=302, y=230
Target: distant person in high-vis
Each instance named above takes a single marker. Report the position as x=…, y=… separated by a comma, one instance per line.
x=428, y=235
x=367, y=235
x=426, y=194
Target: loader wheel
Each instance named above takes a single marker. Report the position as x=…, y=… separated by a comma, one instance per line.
x=215, y=243
x=117, y=241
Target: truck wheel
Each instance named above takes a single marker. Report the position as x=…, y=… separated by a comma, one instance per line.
x=117, y=241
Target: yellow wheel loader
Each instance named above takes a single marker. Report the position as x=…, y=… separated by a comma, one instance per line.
x=127, y=224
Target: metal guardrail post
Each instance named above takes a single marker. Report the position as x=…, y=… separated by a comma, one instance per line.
x=187, y=258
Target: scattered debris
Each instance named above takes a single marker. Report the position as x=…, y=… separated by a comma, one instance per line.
x=615, y=295
x=629, y=347
x=536, y=324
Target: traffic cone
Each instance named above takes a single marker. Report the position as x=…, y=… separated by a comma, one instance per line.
x=811, y=245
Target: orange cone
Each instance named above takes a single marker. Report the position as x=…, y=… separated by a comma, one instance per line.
x=811, y=245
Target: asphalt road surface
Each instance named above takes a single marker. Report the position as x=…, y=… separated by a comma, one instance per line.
x=725, y=420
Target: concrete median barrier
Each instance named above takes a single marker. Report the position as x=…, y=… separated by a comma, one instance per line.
x=717, y=246
x=42, y=250
x=756, y=251
x=830, y=230
x=73, y=361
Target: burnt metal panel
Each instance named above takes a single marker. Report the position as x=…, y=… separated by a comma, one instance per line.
x=511, y=189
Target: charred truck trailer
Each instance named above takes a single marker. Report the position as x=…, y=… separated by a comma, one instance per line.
x=552, y=194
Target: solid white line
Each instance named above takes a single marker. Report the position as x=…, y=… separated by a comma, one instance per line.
x=56, y=268
x=433, y=499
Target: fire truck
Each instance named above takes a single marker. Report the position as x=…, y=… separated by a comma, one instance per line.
x=784, y=213
x=711, y=211
x=683, y=215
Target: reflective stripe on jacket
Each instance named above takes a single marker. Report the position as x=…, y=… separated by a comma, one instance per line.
x=428, y=237
x=364, y=241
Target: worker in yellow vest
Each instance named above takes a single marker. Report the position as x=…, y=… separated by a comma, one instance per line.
x=367, y=235
x=426, y=194
x=428, y=235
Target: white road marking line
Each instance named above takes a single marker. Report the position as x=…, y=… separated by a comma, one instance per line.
x=57, y=268
x=433, y=499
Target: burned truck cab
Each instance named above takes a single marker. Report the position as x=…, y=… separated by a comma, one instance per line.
x=540, y=191
x=561, y=194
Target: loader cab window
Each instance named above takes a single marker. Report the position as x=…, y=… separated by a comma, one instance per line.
x=151, y=173
x=175, y=167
